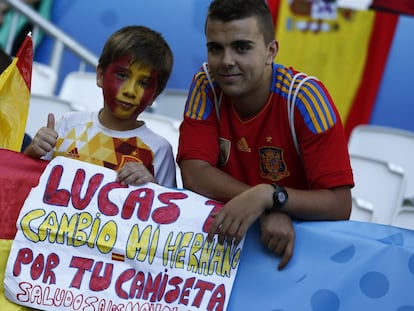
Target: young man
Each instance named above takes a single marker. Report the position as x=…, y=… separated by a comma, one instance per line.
x=245, y=154
x=133, y=70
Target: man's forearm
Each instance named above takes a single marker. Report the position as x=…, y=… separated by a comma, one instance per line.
x=199, y=176
x=324, y=204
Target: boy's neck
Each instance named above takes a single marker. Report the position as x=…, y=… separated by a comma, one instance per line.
x=110, y=122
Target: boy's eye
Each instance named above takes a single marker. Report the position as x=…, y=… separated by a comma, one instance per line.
x=121, y=75
x=146, y=83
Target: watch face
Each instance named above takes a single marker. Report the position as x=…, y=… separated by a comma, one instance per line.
x=281, y=196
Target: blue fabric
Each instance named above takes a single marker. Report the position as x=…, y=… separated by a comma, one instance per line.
x=345, y=265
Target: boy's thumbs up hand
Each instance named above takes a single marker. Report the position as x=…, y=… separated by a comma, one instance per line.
x=44, y=140
x=51, y=121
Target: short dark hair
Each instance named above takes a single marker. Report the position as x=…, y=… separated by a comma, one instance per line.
x=230, y=10
x=143, y=45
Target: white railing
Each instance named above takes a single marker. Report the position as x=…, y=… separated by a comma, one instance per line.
x=61, y=40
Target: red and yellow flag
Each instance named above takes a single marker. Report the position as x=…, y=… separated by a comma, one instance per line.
x=348, y=53
x=15, y=82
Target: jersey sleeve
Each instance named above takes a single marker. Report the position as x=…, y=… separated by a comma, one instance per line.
x=199, y=130
x=321, y=137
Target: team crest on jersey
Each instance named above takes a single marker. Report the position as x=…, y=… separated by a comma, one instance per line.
x=272, y=165
x=224, y=151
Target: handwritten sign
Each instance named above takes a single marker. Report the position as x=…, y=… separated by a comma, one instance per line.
x=86, y=242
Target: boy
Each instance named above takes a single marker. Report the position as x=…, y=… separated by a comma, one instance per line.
x=133, y=70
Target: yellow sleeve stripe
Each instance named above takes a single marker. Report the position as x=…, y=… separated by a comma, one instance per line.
x=312, y=101
x=199, y=106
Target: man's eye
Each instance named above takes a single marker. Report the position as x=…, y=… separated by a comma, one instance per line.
x=242, y=48
x=213, y=49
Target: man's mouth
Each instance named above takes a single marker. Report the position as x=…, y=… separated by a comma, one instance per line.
x=229, y=77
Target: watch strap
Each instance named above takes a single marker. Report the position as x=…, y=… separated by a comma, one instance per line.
x=280, y=197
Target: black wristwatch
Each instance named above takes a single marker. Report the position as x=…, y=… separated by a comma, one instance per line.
x=280, y=197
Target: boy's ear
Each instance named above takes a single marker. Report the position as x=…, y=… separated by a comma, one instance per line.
x=99, y=76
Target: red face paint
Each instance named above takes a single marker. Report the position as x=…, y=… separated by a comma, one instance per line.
x=128, y=88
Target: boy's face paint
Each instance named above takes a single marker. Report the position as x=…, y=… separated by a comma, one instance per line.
x=128, y=88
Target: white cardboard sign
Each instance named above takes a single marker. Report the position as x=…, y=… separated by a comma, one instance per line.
x=85, y=242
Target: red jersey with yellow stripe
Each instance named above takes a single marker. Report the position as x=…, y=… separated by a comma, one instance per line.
x=261, y=149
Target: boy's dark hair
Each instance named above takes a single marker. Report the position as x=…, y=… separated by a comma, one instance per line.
x=143, y=45
x=230, y=10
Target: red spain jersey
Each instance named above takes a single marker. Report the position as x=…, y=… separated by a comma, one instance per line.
x=261, y=149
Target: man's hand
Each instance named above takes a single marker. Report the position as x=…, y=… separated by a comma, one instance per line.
x=278, y=235
x=238, y=214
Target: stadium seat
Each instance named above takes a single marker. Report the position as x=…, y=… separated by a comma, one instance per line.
x=388, y=144
x=44, y=79
x=39, y=108
x=80, y=89
x=378, y=191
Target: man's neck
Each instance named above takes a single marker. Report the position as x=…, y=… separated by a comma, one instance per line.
x=252, y=103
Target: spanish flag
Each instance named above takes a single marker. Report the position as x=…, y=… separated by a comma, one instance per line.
x=348, y=53
x=15, y=82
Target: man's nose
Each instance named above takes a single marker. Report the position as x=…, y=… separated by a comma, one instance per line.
x=228, y=57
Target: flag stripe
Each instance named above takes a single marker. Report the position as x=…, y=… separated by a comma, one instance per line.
x=15, y=83
x=19, y=173
x=379, y=47
x=25, y=60
x=395, y=6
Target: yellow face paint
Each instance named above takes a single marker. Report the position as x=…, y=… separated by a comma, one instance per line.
x=128, y=88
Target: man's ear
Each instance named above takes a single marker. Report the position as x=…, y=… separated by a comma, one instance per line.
x=272, y=49
x=99, y=76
